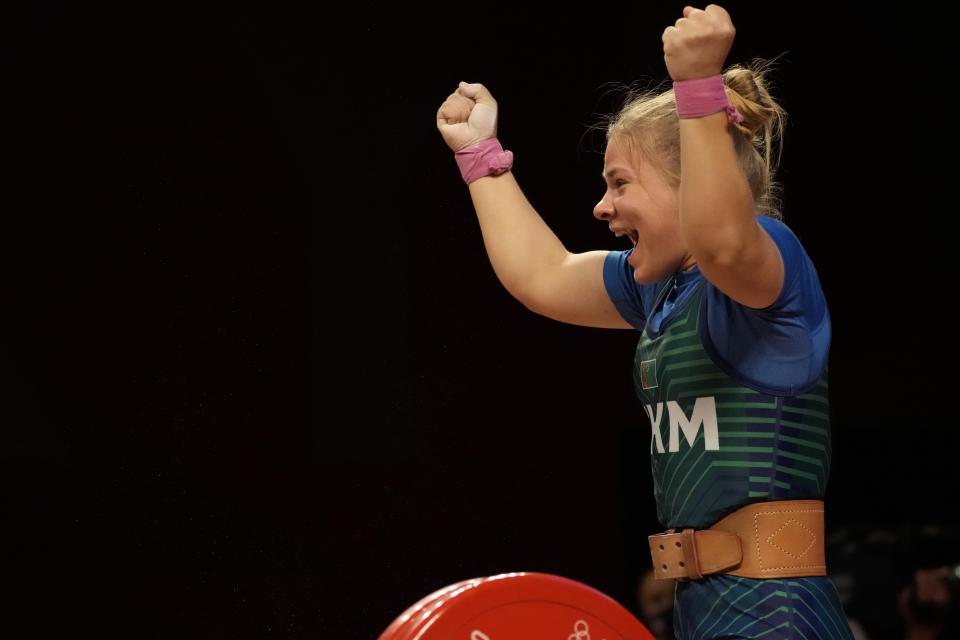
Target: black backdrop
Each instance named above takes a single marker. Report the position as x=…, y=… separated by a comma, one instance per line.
x=260, y=377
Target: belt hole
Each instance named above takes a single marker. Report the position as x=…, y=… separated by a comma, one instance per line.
x=661, y=547
x=664, y=567
x=681, y=563
x=679, y=545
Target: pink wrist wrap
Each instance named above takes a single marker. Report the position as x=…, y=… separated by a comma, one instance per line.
x=485, y=158
x=703, y=96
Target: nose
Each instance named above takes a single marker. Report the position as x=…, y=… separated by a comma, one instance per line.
x=603, y=209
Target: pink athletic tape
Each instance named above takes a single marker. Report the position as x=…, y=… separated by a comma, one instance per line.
x=486, y=158
x=702, y=97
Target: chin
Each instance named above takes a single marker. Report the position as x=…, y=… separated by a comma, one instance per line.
x=647, y=274
x=642, y=276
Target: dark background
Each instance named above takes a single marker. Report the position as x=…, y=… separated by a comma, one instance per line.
x=260, y=379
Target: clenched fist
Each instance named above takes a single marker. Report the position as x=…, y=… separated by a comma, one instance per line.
x=467, y=116
x=698, y=44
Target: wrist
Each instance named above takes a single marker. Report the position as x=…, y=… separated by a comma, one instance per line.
x=702, y=97
x=485, y=158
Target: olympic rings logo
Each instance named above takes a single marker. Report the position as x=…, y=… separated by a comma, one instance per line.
x=581, y=631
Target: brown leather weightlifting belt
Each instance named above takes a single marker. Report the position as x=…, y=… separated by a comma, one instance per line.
x=778, y=539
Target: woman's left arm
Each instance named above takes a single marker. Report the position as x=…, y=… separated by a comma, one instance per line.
x=718, y=219
x=717, y=216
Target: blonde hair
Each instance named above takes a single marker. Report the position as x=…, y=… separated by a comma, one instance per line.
x=648, y=125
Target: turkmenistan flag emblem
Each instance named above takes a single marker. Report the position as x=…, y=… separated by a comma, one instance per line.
x=648, y=374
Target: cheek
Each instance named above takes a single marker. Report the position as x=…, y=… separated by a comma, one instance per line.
x=652, y=226
x=667, y=221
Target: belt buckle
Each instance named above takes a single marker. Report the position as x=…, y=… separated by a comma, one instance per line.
x=687, y=549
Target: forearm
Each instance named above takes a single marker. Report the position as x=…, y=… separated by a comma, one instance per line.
x=519, y=243
x=717, y=216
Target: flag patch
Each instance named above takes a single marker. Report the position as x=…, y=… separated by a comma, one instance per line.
x=648, y=374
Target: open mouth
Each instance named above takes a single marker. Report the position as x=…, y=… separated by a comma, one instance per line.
x=629, y=234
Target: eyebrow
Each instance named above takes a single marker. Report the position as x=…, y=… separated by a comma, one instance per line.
x=612, y=172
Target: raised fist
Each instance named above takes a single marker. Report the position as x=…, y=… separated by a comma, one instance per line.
x=698, y=44
x=467, y=116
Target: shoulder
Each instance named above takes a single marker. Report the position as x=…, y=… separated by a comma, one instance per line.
x=801, y=292
x=791, y=249
x=780, y=348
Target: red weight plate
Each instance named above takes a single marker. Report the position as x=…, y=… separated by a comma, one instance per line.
x=427, y=615
x=527, y=606
x=393, y=631
x=533, y=621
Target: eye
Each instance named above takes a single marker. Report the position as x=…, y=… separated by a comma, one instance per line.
x=618, y=183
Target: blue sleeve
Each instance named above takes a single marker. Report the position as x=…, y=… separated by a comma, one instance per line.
x=781, y=349
x=631, y=299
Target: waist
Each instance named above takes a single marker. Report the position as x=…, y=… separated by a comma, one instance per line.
x=773, y=539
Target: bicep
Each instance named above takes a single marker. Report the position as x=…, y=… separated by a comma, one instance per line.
x=574, y=292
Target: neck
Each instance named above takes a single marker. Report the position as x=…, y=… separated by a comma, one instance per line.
x=688, y=263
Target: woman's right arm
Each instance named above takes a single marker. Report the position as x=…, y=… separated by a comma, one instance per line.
x=532, y=263
x=527, y=257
